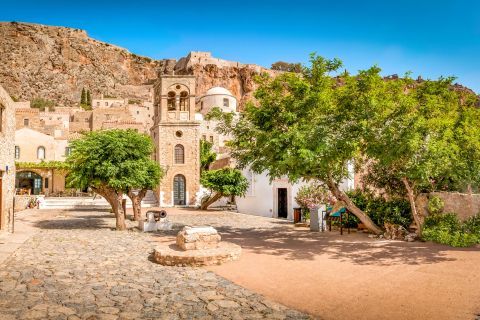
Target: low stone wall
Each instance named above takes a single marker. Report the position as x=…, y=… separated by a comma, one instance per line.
x=21, y=202
x=464, y=205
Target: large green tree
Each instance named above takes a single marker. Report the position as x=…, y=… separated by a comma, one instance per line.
x=424, y=137
x=304, y=126
x=223, y=182
x=112, y=163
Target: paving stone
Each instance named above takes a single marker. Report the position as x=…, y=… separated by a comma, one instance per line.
x=78, y=270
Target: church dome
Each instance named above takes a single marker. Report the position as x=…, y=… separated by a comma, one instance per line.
x=218, y=90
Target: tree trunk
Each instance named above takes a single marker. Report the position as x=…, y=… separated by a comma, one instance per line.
x=119, y=214
x=137, y=203
x=105, y=194
x=210, y=201
x=342, y=196
x=413, y=207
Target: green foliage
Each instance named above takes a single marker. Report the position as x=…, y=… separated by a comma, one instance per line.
x=226, y=181
x=435, y=205
x=313, y=195
x=42, y=165
x=83, y=98
x=472, y=225
x=426, y=134
x=89, y=98
x=447, y=229
x=207, y=156
x=118, y=159
x=42, y=104
x=275, y=135
x=286, y=66
x=380, y=210
x=14, y=98
x=134, y=101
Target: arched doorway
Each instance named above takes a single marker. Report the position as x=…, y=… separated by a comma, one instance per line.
x=28, y=182
x=179, y=190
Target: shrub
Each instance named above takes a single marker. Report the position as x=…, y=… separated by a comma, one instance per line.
x=380, y=210
x=312, y=195
x=448, y=229
x=42, y=104
x=472, y=225
x=435, y=205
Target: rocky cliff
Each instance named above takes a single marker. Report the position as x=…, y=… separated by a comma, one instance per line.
x=57, y=62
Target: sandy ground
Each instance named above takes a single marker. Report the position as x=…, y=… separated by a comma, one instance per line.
x=355, y=277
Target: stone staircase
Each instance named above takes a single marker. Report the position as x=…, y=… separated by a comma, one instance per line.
x=89, y=203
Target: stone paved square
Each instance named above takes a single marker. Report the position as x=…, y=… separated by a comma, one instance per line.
x=76, y=267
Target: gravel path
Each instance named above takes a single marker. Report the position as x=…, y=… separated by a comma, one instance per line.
x=77, y=267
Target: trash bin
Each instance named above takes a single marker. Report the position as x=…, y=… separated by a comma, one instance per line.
x=297, y=215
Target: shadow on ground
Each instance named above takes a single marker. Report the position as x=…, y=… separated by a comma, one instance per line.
x=76, y=222
x=356, y=248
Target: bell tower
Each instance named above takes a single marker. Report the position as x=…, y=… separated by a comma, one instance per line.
x=176, y=135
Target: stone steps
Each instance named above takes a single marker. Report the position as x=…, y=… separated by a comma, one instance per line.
x=89, y=203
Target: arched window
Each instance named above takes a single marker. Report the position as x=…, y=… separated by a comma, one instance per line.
x=179, y=154
x=41, y=153
x=17, y=152
x=183, y=101
x=226, y=103
x=171, y=103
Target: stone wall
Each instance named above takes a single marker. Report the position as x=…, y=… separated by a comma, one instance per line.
x=7, y=161
x=464, y=205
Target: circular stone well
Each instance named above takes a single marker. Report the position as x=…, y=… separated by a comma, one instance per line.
x=172, y=255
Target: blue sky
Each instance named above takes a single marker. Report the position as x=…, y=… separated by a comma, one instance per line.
x=430, y=38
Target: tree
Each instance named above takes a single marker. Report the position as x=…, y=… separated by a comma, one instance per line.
x=303, y=126
x=147, y=179
x=207, y=156
x=223, y=182
x=83, y=98
x=43, y=104
x=287, y=67
x=112, y=163
x=89, y=99
x=425, y=139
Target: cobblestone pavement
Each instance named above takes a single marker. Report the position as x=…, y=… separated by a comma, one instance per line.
x=77, y=267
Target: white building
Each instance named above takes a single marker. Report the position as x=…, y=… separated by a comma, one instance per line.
x=275, y=199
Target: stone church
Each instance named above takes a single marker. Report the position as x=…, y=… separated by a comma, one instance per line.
x=177, y=130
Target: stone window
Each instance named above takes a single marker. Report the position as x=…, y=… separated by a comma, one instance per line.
x=68, y=150
x=204, y=137
x=179, y=154
x=183, y=101
x=41, y=153
x=17, y=152
x=46, y=183
x=201, y=106
x=171, y=103
x=106, y=104
x=226, y=103
x=178, y=134
x=211, y=139
x=26, y=122
x=98, y=103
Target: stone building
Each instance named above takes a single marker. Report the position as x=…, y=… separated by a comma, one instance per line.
x=34, y=150
x=7, y=161
x=108, y=102
x=176, y=134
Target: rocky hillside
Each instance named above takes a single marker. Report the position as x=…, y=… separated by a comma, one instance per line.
x=57, y=62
